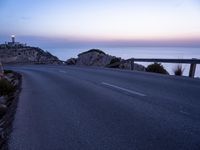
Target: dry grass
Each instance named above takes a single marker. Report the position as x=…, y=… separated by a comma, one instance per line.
x=156, y=68
x=178, y=70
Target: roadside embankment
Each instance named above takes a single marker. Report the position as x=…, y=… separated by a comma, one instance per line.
x=10, y=86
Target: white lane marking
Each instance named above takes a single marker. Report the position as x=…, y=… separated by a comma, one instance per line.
x=184, y=112
x=62, y=71
x=123, y=89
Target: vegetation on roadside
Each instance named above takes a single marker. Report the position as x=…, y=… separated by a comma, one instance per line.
x=156, y=68
x=6, y=88
x=115, y=60
x=9, y=91
x=8, y=71
x=178, y=70
x=114, y=63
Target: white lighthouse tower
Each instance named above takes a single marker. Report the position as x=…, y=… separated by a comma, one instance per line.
x=13, y=39
x=13, y=43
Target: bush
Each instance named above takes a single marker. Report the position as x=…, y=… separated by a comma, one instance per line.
x=6, y=88
x=178, y=71
x=8, y=71
x=156, y=68
x=115, y=60
x=114, y=63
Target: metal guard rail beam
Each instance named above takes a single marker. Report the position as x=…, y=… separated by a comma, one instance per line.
x=182, y=61
x=193, y=63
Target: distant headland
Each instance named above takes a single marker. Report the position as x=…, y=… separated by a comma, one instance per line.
x=12, y=44
x=16, y=52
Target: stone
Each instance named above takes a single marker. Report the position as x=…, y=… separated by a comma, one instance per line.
x=3, y=109
x=2, y=100
x=71, y=61
x=127, y=65
x=15, y=82
x=94, y=57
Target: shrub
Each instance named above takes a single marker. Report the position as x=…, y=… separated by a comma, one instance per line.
x=8, y=71
x=115, y=60
x=157, y=68
x=114, y=63
x=178, y=71
x=6, y=88
x=71, y=61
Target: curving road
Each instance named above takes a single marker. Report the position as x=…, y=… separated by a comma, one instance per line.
x=73, y=108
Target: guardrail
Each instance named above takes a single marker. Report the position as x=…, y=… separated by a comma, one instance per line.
x=1, y=71
x=193, y=63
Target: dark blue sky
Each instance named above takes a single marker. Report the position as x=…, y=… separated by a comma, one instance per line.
x=61, y=23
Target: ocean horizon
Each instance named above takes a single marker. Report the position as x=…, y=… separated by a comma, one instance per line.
x=138, y=52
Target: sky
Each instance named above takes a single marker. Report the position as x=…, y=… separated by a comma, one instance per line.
x=70, y=23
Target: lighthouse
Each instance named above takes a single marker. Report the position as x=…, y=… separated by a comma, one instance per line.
x=13, y=43
x=13, y=38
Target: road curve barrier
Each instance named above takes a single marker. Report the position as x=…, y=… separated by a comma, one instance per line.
x=1, y=71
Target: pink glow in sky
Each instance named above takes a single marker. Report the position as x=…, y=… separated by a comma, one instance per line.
x=105, y=20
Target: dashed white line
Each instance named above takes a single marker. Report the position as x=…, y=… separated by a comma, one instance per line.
x=123, y=89
x=184, y=112
x=62, y=71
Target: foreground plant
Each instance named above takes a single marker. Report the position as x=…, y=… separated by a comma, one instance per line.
x=178, y=70
x=156, y=68
x=6, y=87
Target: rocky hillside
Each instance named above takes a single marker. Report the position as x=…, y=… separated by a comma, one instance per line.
x=96, y=57
x=27, y=55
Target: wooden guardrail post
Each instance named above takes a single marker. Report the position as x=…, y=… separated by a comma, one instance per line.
x=132, y=64
x=192, y=70
x=1, y=71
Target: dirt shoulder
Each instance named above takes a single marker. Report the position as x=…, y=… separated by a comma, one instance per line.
x=10, y=87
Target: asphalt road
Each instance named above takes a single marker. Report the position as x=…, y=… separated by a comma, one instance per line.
x=73, y=108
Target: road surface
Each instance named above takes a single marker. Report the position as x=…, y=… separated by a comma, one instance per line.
x=74, y=108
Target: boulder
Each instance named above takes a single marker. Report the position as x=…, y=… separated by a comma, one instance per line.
x=71, y=61
x=3, y=109
x=94, y=57
x=15, y=82
x=2, y=100
x=127, y=65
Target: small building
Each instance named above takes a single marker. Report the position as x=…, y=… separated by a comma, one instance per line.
x=12, y=44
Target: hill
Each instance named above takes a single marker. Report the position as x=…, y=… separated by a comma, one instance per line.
x=27, y=55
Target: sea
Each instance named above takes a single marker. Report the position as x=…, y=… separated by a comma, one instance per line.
x=139, y=52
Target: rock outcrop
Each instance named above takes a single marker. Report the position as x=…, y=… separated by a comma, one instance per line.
x=27, y=55
x=126, y=64
x=71, y=61
x=96, y=57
